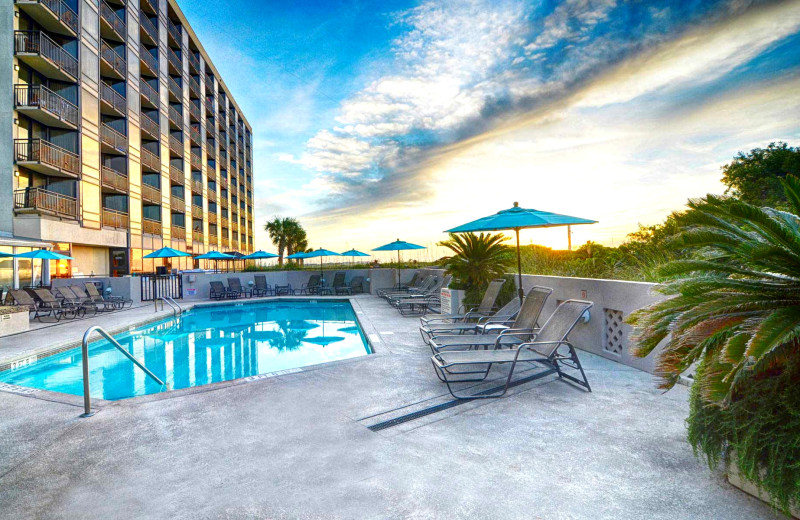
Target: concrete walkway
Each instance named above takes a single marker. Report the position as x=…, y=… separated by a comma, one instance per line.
x=298, y=446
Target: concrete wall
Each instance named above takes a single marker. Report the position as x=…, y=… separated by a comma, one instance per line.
x=6, y=118
x=126, y=286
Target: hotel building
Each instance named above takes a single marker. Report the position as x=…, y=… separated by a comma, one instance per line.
x=118, y=137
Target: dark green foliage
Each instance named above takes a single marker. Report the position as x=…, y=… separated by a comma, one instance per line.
x=755, y=177
x=478, y=259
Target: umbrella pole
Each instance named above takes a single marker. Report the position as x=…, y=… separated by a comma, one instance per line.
x=520, y=291
x=398, y=269
x=569, y=238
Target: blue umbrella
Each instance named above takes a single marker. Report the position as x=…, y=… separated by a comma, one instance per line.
x=354, y=253
x=398, y=245
x=259, y=255
x=216, y=256
x=517, y=218
x=43, y=254
x=318, y=253
x=166, y=252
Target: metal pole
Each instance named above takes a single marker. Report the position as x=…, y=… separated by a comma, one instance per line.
x=398, y=268
x=87, y=400
x=520, y=291
x=569, y=237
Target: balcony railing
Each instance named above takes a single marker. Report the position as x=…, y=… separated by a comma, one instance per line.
x=52, y=157
x=113, y=138
x=178, y=205
x=178, y=232
x=175, y=117
x=38, y=43
x=225, y=241
x=212, y=238
x=223, y=202
x=114, y=180
x=148, y=27
x=148, y=60
x=194, y=86
x=41, y=97
x=212, y=196
x=150, y=161
x=197, y=236
x=151, y=5
x=176, y=175
x=194, y=135
x=113, y=99
x=197, y=212
x=60, y=11
x=175, y=88
x=194, y=111
x=152, y=227
x=210, y=105
x=115, y=62
x=175, y=145
x=151, y=193
x=174, y=60
x=196, y=162
x=223, y=183
x=113, y=20
x=194, y=62
x=44, y=201
x=174, y=32
x=212, y=218
x=197, y=186
x=149, y=93
x=149, y=126
x=115, y=219
x=211, y=174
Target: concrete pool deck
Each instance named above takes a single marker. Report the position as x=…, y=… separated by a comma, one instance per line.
x=298, y=446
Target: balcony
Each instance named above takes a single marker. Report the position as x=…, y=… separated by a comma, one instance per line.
x=112, y=65
x=194, y=112
x=211, y=174
x=176, y=176
x=44, y=157
x=150, y=6
x=223, y=183
x=42, y=104
x=149, y=127
x=196, y=162
x=212, y=238
x=212, y=218
x=197, y=236
x=46, y=56
x=225, y=241
x=113, y=141
x=174, y=33
x=194, y=63
x=151, y=227
x=111, y=25
x=42, y=201
x=194, y=135
x=175, y=65
x=197, y=187
x=223, y=202
x=177, y=205
x=210, y=106
x=175, y=90
x=112, y=102
x=53, y=15
x=175, y=118
x=151, y=194
x=211, y=150
x=197, y=212
x=149, y=32
x=115, y=219
x=149, y=63
x=150, y=161
x=176, y=145
x=178, y=232
x=212, y=196
x=149, y=95
x=194, y=87
x=114, y=180
x=234, y=244
x=224, y=222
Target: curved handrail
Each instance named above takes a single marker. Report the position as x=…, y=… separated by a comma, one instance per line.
x=177, y=310
x=87, y=400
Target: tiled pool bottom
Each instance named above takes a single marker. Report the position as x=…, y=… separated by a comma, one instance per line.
x=206, y=345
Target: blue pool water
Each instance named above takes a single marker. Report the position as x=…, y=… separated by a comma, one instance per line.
x=206, y=345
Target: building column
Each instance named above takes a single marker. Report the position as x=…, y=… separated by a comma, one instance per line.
x=15, y=271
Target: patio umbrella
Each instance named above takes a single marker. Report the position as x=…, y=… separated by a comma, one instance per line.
x=214, y=255
x=259, y=255
x=398, y=245
x=517, y=218
x=42, y=254
x=353, y=253
x=166, y=252
x=319, y=253
x=5, y=255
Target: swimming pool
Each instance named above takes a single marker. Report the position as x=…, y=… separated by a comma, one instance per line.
x=206, y=345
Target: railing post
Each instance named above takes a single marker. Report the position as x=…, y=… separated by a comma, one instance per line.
x=87, y=399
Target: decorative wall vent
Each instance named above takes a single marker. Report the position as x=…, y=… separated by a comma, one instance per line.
x=613, y=334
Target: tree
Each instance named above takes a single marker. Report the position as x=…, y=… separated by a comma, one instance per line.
x=756, y=177
x=478, y=260
x=734, y=309
x=287, y=234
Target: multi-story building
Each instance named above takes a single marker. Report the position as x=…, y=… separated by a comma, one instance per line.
x=123, y=137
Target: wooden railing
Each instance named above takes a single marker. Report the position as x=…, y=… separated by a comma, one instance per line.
x=153, y=227
x=113, y=179
x=151, y=161
x=113, y=19
x=151, y=193
x=40, y=199
x=115, y=219
x=113, y=98
x=148, y=59
x=41, y=97
x=110, y=56
x=149, y=93
x=41, y=151
x=113, y=138
x=37, y=42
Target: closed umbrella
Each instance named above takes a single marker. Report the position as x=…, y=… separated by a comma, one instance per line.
x=398, y=245
x=517, y=218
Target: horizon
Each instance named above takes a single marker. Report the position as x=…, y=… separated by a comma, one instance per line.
x=384, y=120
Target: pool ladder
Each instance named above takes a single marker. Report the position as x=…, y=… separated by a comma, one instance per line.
x=87, y=400
x=176, y=309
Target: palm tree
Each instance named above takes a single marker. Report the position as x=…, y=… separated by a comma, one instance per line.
x=287, y=234
x=478, y=259
x=736, y=306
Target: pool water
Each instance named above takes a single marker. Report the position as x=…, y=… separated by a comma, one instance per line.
x=206, y=345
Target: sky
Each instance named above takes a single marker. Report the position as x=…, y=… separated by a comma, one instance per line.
x=376, y=120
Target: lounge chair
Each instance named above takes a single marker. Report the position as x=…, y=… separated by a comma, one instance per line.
x=261, y=288
x=504, y=317
x=542, y=348
x=521, y=330
x=82, y=299
x=339, y=285
x=423, y=288
x=23, y=299
x=220, y=292
x=312, y=286
x=417, y=303
x=416, y=279
x=119, y=301
x=107, y=305
x=60, y=309
x=357, y=285
x=284, y=290
x=473, y=313
x=235, y=286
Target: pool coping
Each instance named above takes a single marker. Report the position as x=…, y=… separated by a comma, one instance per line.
x=99, y=404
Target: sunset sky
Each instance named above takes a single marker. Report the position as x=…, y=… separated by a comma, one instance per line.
x=378, y=120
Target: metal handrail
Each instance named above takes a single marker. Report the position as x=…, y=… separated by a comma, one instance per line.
x=87, y=399
x=176, y=309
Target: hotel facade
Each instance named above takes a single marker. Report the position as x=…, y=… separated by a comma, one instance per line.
x=118, y=137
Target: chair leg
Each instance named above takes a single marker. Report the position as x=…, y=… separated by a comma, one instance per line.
x=571, y=361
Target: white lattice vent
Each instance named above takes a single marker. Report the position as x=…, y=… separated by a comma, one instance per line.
x=613, y=333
